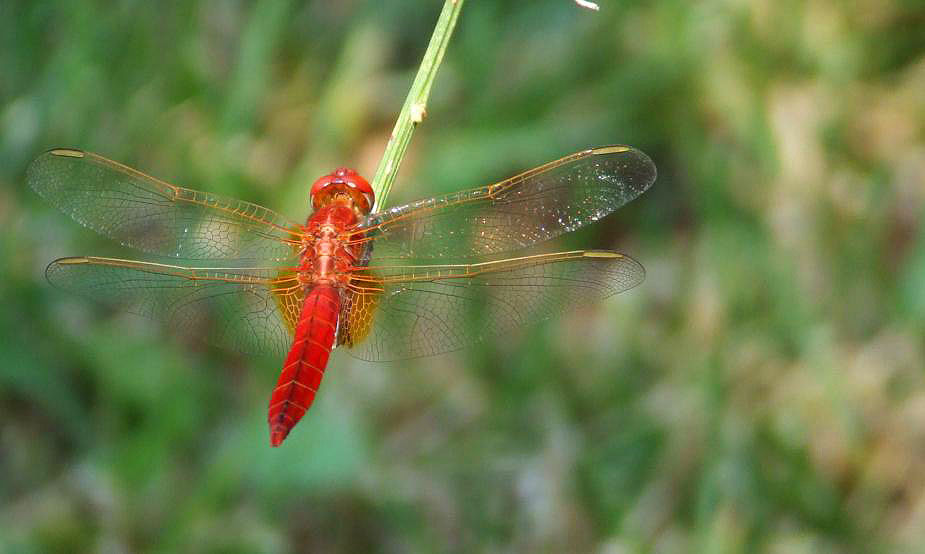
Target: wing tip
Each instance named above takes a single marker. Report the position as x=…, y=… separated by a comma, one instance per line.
x=645, y=166
x=34, y=173
x=53, y=267
x=639, y=273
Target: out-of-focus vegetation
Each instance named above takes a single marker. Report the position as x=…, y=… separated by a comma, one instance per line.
x=763, y=390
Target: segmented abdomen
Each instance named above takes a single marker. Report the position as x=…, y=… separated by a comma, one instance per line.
x=305, y=364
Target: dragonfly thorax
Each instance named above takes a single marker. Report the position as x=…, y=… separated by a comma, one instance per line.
x=326, y=257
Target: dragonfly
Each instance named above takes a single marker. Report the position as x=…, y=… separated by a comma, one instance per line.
x=421, y=279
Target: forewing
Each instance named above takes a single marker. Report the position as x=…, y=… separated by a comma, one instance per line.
x=249, y=310
x=532, y=207
x=407, y=312
x=148, y=214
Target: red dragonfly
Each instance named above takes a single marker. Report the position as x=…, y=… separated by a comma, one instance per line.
x=400, y=283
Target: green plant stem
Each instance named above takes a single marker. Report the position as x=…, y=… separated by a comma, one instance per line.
x=415, y=108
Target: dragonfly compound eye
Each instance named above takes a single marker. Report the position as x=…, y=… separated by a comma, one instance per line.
x=343, y=179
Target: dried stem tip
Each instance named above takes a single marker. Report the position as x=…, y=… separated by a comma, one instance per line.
x=589, y=5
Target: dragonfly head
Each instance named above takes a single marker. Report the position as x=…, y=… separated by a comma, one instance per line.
x=340, y=183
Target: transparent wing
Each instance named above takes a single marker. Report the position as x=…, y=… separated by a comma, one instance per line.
x=251, y=309
x=406, y=312
x=145, y=213
x=532, y=207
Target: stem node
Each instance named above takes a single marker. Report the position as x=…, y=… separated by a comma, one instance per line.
x=415, y=108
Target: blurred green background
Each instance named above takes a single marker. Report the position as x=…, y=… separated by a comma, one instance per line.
x=762, y=391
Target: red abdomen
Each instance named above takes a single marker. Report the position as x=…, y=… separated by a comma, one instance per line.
x=305, y=364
